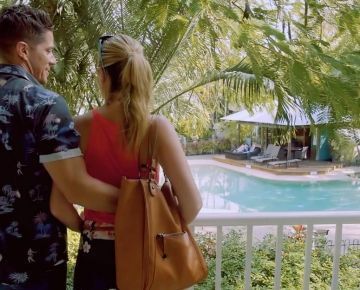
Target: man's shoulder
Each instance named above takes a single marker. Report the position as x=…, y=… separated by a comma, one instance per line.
x=18, y=85
x=40, y=91
x=41, y=97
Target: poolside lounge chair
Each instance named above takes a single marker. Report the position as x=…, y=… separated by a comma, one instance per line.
x=302, y=154
x=273, y=155
x=267, y=153
x=254, y=150
x=286, y=163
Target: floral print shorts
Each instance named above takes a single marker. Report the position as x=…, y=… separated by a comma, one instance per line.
x=95, y=265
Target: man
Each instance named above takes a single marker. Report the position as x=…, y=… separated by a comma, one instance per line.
x=37, y=142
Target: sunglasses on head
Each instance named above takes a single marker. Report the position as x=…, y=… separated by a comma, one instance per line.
x=102, y=39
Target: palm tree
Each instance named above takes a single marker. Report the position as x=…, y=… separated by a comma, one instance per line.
x=209, y=54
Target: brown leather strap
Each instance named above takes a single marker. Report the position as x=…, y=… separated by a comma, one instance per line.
x=149, y=143
x=153, y=134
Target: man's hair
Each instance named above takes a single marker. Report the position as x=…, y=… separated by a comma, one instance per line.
x=22, y=23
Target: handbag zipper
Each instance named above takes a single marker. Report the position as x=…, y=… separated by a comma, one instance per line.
x=162, y=236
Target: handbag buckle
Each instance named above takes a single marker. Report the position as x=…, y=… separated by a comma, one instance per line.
x=153, y=187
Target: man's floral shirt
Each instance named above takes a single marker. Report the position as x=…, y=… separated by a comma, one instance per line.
x=35, y=127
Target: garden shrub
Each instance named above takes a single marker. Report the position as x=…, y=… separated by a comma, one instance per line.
x=263, y=263
x=207, y=146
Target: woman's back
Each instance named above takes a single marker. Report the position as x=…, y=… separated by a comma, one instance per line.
x=105, y=156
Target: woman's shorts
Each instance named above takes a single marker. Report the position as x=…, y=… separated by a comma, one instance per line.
x=95, y=265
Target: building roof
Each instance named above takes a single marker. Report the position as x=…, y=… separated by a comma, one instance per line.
x=267, y=117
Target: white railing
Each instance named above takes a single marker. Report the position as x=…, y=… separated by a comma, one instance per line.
x=280, y=220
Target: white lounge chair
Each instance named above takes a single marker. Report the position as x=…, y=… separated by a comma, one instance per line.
x=301, y=154
x=273, y=155
x=267, y=153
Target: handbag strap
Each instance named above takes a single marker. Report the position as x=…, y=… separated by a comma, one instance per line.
x=147, y=162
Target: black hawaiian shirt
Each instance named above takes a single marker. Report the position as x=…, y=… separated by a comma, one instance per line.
x=35, y=127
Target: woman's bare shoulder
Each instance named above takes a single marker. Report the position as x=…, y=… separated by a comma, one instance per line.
x=163, y=124
x=165, y=131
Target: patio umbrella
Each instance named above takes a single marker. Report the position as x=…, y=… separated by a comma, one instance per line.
x=267, y=117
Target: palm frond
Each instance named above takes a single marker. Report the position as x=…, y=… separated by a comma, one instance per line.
x=243, y=82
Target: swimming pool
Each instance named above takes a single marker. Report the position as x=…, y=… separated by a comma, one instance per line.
x=226, y=190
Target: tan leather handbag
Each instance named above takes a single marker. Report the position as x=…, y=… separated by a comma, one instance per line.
x=154, y=247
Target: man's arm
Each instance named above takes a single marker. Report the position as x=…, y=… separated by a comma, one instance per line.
x=64, y=211
x=58, y=148
x=72, y=179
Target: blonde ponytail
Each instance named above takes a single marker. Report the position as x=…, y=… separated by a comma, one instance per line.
x=131, y=82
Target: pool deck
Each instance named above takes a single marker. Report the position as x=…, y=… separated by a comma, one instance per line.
x=309, y=170
x=305, y=167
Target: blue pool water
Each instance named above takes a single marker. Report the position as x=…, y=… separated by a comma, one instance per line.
x=230, y=191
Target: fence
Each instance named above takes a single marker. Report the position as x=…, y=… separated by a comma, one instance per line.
x=279, y=220
x=345, y=245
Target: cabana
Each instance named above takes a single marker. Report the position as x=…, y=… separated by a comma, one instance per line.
x=265, y=118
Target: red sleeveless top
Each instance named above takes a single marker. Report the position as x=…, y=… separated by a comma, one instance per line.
x=107, y=160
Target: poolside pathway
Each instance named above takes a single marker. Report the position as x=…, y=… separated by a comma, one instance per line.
x=261, y=172
x=306, y=167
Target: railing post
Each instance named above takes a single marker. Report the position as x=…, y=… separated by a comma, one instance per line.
x=278, y=256
x=336, y=259
x=219, y=239
x=248, y=256
x=192, y=229
x=308, y=249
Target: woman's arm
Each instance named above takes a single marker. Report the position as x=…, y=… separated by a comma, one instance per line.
x=64, y=211
x=172, y=158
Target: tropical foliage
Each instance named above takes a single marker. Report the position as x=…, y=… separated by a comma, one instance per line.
x=263, y=263
x=345, y=146
x=209, y=55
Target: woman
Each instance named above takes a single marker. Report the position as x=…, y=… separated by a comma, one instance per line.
x=110, y=140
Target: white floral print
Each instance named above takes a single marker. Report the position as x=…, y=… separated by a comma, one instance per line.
x=5, y=115
x=5, y=139
x=19, y=278
x=86, y=247
x=13, y=229
x=31, y=254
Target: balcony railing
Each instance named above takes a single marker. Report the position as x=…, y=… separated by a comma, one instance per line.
x=279, y=220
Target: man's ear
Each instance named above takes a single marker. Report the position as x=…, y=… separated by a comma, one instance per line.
x=22, y=50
